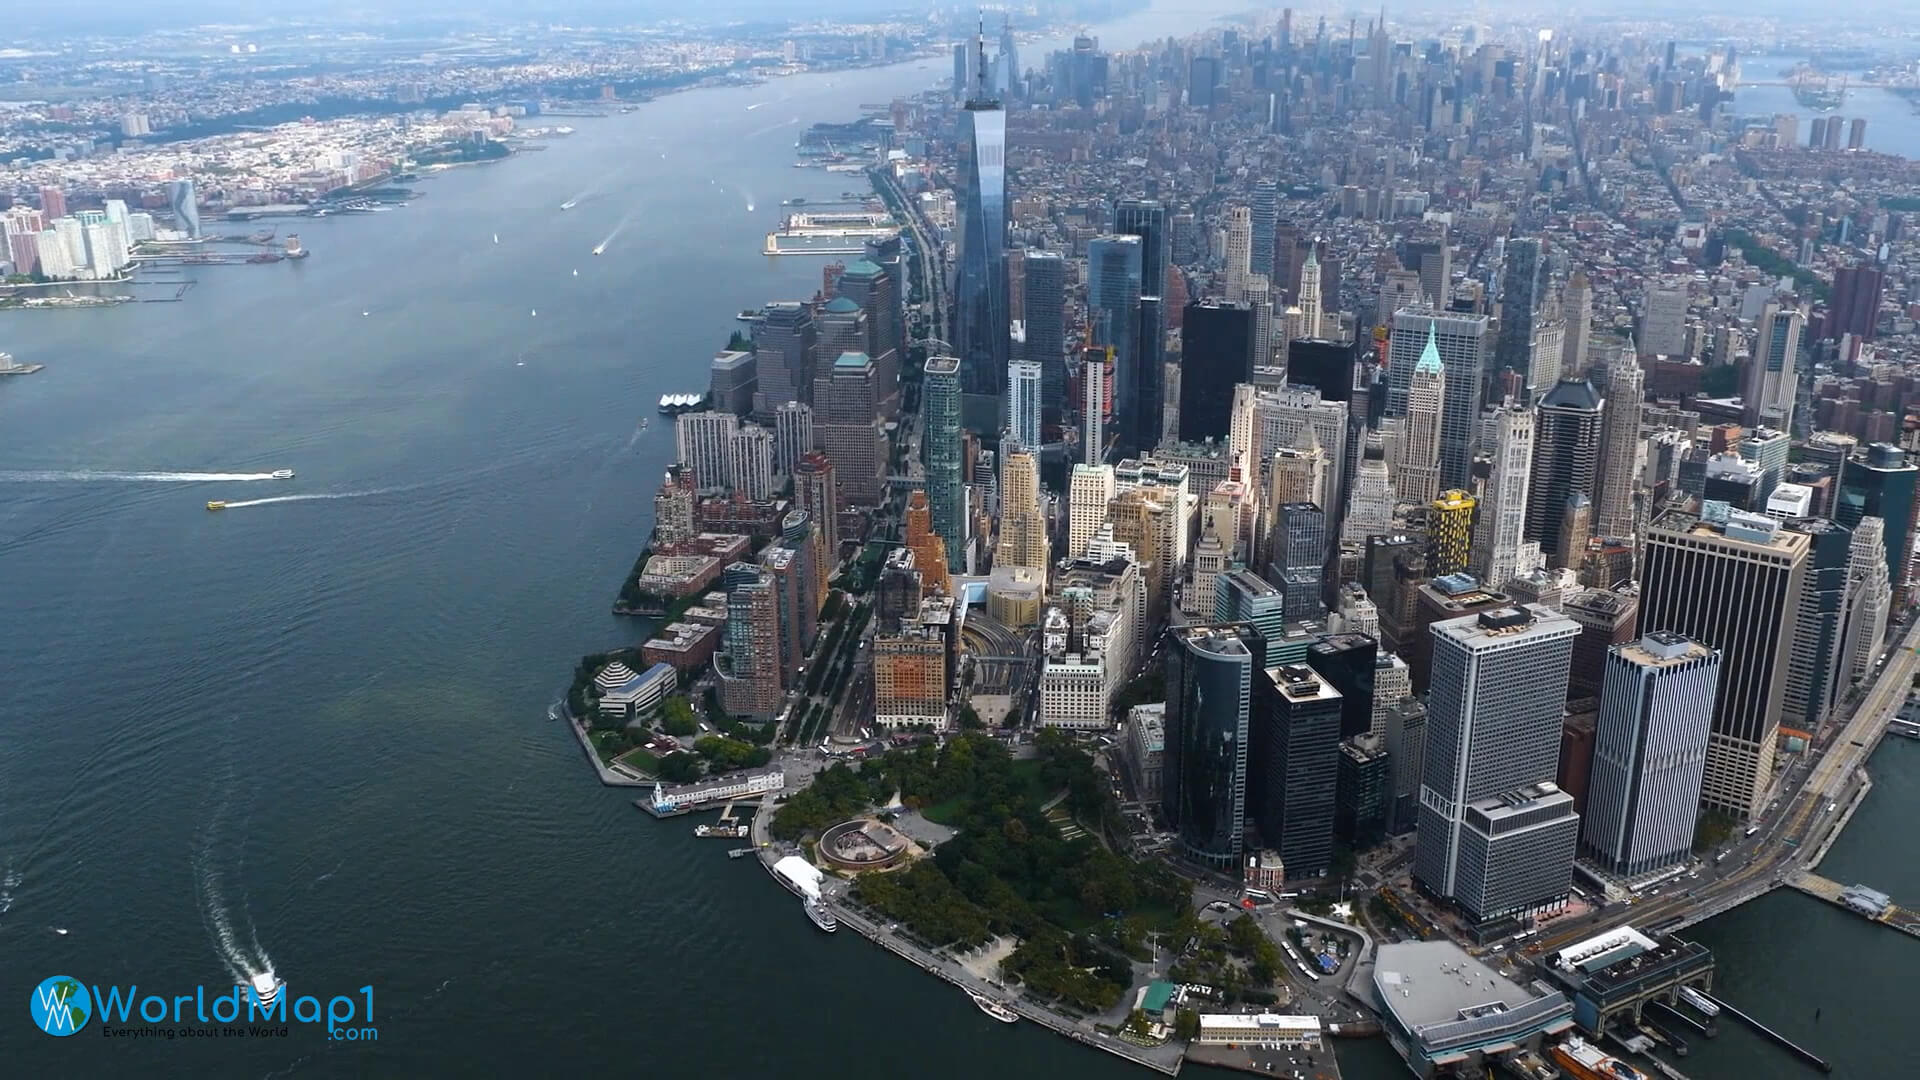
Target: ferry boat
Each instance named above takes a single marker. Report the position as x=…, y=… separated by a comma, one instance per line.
x=822, y=915
x=283, y=474
x=1699, y=1001
x=266, y=989
x=1584, y=1061
x=731, y=832
x=216, y=504
x=993, y=1008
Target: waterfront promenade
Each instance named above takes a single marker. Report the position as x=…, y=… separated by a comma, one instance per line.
x=1164, y=1059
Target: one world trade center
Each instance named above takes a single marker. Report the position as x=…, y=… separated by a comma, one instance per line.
x=980, y=267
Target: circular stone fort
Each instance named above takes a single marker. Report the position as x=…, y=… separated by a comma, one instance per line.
x=862, y=844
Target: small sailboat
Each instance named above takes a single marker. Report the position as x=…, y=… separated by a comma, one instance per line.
x=576, y=273
x=533, y=312
x=496, y=238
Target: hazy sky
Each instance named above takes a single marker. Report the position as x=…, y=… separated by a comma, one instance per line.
x=132, y=16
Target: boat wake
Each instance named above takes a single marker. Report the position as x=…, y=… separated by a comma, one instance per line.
x=769, y=129
x=307, y=498
x=8, y=883
x=601, y=247
x=53, y=476
x=229, y=927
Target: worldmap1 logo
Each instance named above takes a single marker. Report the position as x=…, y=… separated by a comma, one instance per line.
x=60, y=1005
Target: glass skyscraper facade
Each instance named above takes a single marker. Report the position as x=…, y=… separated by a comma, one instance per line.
x=1113, y=311
x=1046, y=311
x=1210, y=684
x=1147, y=219
x=980, y=279
x=946, y=496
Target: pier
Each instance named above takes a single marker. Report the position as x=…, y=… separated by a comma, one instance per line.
x=1795, y=1049
x=1869, y=904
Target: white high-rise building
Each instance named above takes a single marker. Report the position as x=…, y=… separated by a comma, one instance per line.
x=1240, y=431
x=1501, y=526
x=1577, y=310
x=1023, y=402
x=1370, y=507
x=1416, y=460
x=1088, y=492
x=753, y=462
x=1650, y=752
x=1613, y=513
x=74, y=237
x=1546, y=351
x=1772, y=380
x=55, y=260
x=1663, y=319
x=1496, y=836
x=1310, y=299
x=1239, y=251
x=1093, y=405
x=1869, y=597
x=704, y=441
x=792, y=435
x=106, y=248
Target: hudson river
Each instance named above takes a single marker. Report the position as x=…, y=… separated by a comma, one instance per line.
x=313, y=730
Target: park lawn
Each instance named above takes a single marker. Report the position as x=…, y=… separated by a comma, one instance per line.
x=641, y=759
x=1028, y=770
x=946, y=811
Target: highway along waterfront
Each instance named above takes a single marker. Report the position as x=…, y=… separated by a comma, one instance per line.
x=313, y=731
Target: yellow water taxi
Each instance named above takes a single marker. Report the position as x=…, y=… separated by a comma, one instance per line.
x=216, y=504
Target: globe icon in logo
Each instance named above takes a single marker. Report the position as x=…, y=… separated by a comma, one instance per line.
x=60, y=1005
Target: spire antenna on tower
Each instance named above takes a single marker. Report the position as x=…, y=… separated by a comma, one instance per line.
x=980, y=66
